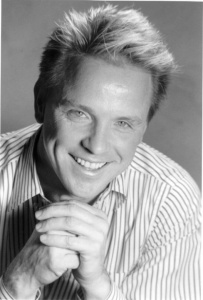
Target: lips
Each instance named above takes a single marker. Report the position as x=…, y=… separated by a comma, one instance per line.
x=87, y=164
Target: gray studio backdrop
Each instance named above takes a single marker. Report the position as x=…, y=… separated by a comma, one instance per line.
x=175, y=130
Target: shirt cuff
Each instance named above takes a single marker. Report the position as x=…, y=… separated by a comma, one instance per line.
x=5, y=295
x=115, y=293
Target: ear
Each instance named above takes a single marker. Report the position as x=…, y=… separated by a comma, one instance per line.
x=39, y=103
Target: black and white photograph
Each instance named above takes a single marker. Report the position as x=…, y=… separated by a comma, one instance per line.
x=101, y=150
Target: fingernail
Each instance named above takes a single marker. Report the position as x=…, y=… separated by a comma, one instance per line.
x=38, y=214
x=42, y=237
x=38, y=226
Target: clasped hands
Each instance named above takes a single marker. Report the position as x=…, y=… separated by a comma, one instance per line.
x=76, y=234
x=69, y=235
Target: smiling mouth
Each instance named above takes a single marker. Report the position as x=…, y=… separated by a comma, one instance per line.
x=87, y=164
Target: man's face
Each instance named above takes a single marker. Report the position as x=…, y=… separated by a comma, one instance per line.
x=91, y=136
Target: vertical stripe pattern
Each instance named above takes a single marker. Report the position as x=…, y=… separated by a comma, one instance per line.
x=153, y=208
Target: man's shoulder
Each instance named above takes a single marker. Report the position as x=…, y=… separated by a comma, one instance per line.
x=152, y=162
x=12, y=143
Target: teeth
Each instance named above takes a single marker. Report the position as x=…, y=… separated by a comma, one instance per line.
x=89, y=165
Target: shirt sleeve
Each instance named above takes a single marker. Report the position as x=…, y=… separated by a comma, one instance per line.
x=5, y=295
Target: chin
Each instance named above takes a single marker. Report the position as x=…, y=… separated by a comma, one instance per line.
x=88, y=195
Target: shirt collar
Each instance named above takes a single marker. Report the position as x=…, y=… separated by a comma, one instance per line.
x=26, y=182
x=27, y=185
x=119, y=185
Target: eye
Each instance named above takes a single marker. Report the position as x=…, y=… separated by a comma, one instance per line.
x=123, y=124
x=77, y=114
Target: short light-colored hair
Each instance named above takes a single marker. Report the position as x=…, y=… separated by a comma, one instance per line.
x=118, y=36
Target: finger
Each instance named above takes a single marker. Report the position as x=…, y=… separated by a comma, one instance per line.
x=72, y=261
x=77, y=244
x=63, y=257
x=93, y=210
x=70, y=208
x=59, y=232
x=66, y=225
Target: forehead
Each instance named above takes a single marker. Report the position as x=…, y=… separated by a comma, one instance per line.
x=111, y=91
x=97, y=74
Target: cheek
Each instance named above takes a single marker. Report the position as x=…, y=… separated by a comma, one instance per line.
x=54, y=129
x=127, y=150
x=50, y=125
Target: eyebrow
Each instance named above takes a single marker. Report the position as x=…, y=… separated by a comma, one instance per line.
x=71, y=102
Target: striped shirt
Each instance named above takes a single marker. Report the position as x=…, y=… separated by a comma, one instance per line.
x=153, y=244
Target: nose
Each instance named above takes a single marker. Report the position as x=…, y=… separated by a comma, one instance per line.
x=97, y=140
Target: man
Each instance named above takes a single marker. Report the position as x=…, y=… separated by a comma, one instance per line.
x=88, y=211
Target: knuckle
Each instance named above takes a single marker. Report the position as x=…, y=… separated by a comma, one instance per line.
x=43, y=225
x=47, y=224
x=101, y=236
x=47, y=210
x=103, y=215
x=96, y=248
x=71, y=242
x=69, y=222
x=68, y=241
x=51, y=209
x=104, y=227
x=75, y=262
x=71, y=208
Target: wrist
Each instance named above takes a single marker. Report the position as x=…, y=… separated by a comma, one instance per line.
x=98, y=289
x=19, y=285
